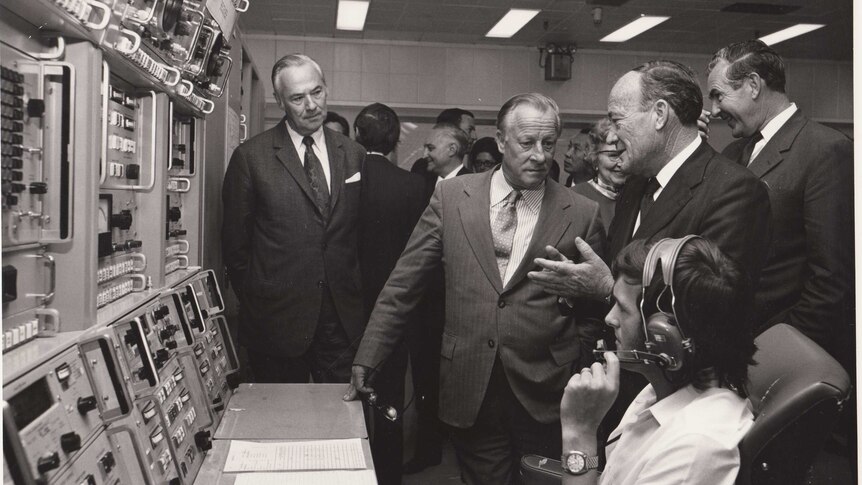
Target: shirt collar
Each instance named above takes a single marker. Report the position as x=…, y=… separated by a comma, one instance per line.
x=453, y=173
x=296, y=138
x=666, y=172
x=500, y=189
x=776, y=123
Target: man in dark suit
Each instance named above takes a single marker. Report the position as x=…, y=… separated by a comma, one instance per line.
x=808, y=168
x=290, y=236
x=392, y=201
x=506, y=351
x=678, y=185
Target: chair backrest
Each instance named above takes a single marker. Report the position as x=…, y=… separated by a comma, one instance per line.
x=796, y=390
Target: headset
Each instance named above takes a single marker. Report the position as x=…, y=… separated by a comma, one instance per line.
x=665, y=340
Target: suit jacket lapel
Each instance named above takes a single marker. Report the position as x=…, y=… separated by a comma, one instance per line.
x=336, y=169
x=475, y=213
x=286, y=154
x=677, y=193
x=552, y=223
x=770, y=156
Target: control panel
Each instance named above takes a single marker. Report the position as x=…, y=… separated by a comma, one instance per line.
x=171, y=416
x=54, y=410
x=207, y=335
x=36, y=137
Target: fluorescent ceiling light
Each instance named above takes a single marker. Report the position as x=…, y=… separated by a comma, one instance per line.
x=789, y=33
x=351, y=14
x=514, y=20
x=633, y=29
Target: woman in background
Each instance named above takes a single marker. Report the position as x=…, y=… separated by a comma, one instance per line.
x=484, y=155
x=608, y=179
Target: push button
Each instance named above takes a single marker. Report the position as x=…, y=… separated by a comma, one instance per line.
x=501, y=303
x=491, y=343
x=321, y=284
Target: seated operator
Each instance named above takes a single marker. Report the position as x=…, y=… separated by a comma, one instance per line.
x=685, y=425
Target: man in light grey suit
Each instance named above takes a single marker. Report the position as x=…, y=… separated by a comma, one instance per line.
x=506, y=351
x=290, y=236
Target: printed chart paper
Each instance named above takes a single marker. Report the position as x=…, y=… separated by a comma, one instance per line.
x=247, y=456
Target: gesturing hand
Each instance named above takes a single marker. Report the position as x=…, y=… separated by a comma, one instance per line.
x=588, y=396
x=358, y=383
x=562, y=277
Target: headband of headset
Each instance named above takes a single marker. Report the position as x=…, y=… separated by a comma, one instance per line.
x=662, y=255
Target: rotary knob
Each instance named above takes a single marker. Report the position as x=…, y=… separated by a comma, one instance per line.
x=86, y=404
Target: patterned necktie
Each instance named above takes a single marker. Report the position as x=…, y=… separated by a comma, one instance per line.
x=745, y=159
x=647, y=200
x=314, y=172
x=503, y=231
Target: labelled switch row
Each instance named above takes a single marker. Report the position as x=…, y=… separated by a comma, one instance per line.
x=20, y=334
x=80, y=9
x=176, y=249
x=114, y=270
x=122, y=144
x=114, y=292
x=143, y=60
x=118, y=96
x=115, y=118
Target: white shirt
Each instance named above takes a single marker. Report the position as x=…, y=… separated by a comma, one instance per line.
x=667, y=172
x=771, y=129
x=319, y=150
x=450, y=175
x=527, y=208
x=689, y=437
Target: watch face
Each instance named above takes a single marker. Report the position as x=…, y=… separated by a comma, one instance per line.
x=575, y=462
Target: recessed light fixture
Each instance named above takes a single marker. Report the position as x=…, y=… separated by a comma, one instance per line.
x=633, y=29
x=789, y=33
x=514, y=20
x=351, y=14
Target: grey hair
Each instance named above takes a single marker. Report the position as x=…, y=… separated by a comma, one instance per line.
x=295, y=60
x=536, y=100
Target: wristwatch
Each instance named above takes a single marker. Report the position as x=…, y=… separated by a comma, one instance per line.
x=578, y=463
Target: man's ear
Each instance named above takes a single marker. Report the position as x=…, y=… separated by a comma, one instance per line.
x=499, y=138
x=662, y=112
x=755, y=84
x=278, y=100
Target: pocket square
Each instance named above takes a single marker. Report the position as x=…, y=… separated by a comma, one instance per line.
x=354, y=178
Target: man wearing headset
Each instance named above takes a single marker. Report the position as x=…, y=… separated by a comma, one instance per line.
x=682, y=319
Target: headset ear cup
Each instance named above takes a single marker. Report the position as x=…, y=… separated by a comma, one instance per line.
x=664, y=338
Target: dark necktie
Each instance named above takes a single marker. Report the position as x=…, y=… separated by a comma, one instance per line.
x=503, y=231
x=745, y=159
x=647, y=200
x=316, y=177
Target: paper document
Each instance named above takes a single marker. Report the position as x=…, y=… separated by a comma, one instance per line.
x=248, y=456
x=334, y=477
